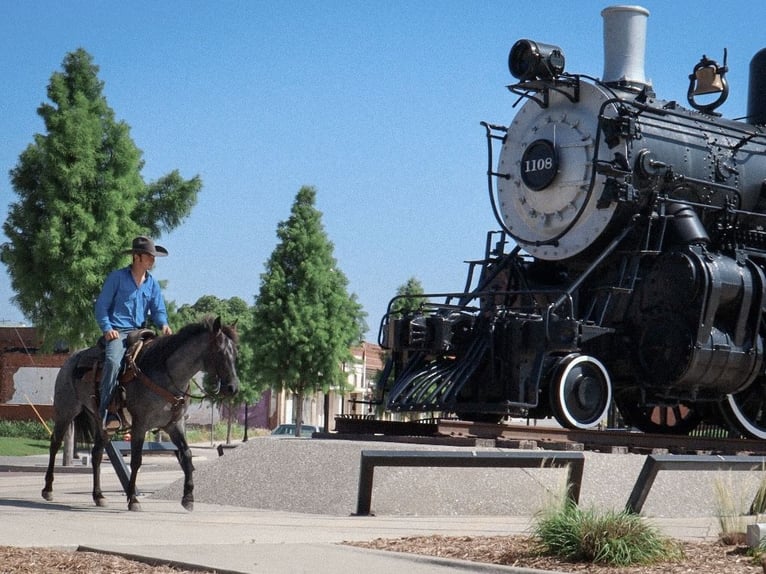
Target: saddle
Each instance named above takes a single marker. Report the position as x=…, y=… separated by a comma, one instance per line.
x=90, y=365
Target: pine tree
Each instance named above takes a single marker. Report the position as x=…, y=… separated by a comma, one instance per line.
x=304, y=321
x=81, y=201
x=411, y=298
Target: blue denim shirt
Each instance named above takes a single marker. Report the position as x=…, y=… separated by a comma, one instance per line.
x=123, y=305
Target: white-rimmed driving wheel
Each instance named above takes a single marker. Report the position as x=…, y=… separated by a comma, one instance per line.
x=580, y=391
x=745, y=411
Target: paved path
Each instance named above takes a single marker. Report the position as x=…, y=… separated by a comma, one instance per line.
x=234, y=538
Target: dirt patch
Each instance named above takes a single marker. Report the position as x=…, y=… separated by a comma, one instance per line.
x=520, y=551
x=18, y=560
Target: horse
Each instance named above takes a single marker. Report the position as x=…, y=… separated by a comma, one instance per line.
x=155, y=398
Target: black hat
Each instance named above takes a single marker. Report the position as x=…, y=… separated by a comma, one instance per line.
x=143, y=244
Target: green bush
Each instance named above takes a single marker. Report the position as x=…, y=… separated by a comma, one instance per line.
x=613, y=538
x=25, y=429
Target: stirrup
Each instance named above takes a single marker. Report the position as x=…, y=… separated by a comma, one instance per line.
x=111, y=423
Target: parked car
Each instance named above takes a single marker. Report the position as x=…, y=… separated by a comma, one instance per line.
x=288, y=430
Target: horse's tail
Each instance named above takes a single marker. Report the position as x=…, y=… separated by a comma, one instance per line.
x=83, y=428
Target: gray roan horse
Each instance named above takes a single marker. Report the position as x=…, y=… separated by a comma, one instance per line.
x=155, y=399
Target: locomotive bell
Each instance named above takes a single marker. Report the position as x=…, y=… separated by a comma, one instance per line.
x=706, y=79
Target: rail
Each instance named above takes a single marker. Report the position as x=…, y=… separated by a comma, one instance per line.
x=573, y=461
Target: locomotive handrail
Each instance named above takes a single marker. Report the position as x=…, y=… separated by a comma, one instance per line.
x=558, y=84
x=490, y=173
x=749, y=132
x=592, y=267
x=540, y=308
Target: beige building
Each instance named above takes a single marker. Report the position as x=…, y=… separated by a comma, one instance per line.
x=355, y=399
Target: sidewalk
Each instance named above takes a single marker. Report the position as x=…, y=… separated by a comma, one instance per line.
x=229, y=538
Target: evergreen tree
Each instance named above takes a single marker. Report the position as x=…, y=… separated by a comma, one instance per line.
x=411, y=298
x=81, y=201
x=304, y=321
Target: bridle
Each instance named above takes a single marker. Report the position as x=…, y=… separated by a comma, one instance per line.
x=220, y=349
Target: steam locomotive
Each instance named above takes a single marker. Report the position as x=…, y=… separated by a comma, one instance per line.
x=628, y=277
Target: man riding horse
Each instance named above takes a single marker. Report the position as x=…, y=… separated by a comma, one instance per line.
x=128, y=297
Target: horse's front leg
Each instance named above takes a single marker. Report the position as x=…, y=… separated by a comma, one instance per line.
x=136, y=458
x=176, y=433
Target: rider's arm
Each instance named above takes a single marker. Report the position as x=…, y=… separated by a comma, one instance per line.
x=105, y=301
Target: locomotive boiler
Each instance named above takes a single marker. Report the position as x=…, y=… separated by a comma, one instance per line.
x=629, y=272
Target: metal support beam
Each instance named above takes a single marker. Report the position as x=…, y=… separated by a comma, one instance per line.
x=573, y=461
x=122, y=470
x=656, y=462
x=116, y=449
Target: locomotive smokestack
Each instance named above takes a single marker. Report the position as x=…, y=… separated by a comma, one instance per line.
x=624, y=46
x=756, y=95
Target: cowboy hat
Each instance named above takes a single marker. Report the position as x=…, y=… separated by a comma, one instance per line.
x=143, y=244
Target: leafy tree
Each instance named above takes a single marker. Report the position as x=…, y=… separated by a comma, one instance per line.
x=304, y=321
x=234, y=310
x=81, y=200
x=411, y=299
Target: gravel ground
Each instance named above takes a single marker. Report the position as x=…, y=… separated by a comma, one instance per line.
x=321, y=477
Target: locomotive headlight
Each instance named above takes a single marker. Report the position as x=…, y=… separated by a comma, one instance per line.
x=530, y=60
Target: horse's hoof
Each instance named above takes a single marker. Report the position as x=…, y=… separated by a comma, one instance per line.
x=101, y=502
x=188, y=504
x=135, y=506
x=48, y=495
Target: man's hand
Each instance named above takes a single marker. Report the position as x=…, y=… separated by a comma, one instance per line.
x=111, y=335
x=166, y=330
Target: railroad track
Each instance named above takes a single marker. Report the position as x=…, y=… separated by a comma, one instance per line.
x=464, y=433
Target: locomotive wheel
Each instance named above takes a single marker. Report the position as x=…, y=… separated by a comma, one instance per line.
x=580, y=392
x=677, y=419
x=745, y=411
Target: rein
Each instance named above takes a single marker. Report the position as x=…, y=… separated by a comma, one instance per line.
x=176, y=402
x=204, y=395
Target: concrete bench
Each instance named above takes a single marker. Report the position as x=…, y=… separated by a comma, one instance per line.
x=573, y=461
x=656, y=462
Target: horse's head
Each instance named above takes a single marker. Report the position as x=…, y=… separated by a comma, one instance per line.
x=221, y=359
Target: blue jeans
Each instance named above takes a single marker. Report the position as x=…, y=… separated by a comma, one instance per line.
x=114, y=352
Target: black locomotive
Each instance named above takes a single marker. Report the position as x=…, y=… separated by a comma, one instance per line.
x=630, y=268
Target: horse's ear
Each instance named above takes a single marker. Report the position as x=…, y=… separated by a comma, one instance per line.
x=217, y=324
x=234, y=324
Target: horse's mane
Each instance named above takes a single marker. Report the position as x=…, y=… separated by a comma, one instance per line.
x=155, y=355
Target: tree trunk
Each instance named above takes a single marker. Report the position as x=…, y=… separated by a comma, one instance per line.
x=229, y=422
x=298, y=412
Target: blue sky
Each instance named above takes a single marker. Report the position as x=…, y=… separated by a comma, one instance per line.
x=376, y=104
